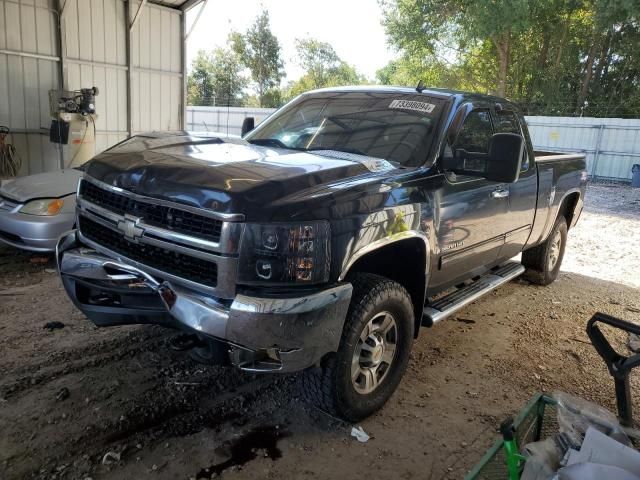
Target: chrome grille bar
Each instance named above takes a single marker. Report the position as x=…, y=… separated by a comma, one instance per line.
x=135, y=230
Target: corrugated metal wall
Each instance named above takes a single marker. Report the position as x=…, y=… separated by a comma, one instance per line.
x=29, y=68
x=612, y=145
x=89, y=49
x=156, y=77
x=94, y=54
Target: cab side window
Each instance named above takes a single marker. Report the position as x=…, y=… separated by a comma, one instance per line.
x=468, y=152
x=476, y=132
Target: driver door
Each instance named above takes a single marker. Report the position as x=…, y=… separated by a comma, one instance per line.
x=471, y=211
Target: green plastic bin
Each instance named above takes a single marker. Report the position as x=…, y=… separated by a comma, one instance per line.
x=537, y=421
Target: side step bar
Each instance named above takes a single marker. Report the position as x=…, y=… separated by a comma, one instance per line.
x=446, y=306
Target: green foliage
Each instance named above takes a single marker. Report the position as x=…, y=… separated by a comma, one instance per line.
x=555, y=57
x=259, y=49
x=216, y=79
x=323, y=68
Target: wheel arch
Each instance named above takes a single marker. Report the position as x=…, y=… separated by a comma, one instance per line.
x=403, y=258
x=568, y=205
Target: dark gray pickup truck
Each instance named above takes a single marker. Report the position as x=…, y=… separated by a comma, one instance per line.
x=324, y=238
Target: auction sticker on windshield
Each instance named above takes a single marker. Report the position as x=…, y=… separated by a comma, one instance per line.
x=413, y=105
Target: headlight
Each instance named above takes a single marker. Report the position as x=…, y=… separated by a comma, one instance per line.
x=285, y=254
x=43, y=207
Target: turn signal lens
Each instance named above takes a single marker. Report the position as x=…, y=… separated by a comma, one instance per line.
x=54, y=207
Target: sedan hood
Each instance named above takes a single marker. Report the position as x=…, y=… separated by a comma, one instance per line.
x=224, y=174
x=42, y=185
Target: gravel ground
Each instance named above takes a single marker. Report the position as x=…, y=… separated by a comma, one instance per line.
x=606, y=242
x=71, y=396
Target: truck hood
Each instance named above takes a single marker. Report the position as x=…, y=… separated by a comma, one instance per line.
x=227, y=175
x=42, y=185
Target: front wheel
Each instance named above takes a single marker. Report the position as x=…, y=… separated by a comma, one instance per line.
x=374, y=351
x=543, y=262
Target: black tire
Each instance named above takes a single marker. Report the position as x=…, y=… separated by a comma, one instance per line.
x=541, y=269
x=330, y=386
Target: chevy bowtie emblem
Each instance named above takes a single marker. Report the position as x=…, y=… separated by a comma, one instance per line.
x=130, y=228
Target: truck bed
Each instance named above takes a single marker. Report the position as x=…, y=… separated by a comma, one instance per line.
x=555, y=184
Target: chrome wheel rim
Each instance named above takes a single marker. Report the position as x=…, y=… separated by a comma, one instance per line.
x=554, y=250
x=375, y=352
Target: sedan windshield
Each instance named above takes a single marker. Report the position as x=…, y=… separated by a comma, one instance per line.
x=397, y=127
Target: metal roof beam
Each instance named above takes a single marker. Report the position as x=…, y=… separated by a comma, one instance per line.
x=189, y=4
x=137, y=15
x=195, y=22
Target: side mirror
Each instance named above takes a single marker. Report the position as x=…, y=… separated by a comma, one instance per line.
x=505, y=157
x=248, y=124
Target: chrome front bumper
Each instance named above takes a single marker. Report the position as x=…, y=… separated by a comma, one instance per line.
x=263, y=333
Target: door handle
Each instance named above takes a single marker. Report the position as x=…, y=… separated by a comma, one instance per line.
x=500, y=193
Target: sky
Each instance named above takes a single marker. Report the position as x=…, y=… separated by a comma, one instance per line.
x=351, y=26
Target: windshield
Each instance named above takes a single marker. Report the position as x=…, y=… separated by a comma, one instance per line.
x=393, y=126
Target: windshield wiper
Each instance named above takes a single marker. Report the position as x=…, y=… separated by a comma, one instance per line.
x=339, y=149
x=271, y=142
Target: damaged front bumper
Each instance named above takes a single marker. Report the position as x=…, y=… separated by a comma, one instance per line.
x=283, y=333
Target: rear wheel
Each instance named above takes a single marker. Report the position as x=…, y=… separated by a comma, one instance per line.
x=374, y=351
x=543, y=262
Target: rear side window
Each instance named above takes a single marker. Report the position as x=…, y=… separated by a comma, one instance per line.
x=507, y=122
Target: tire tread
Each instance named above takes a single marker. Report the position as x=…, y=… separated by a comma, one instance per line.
x=535, y=259
x=317, y=383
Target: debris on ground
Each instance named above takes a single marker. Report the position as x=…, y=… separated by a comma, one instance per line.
x=62, y=394
x=39, y=260
x=359, y=434
x=465, y=320
x=53, y=325
x=110, y=457
x=634, y=342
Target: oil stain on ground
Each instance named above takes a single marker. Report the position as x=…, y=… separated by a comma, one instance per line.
x=246, y=448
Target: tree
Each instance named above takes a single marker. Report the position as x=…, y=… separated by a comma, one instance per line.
x=319, y=60
x=554, y=57
x=323, y=68
x=422, y=26
x=216, y=79
x=259, y=50
x=200, y=89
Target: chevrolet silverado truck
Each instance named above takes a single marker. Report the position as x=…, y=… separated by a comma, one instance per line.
x=326, y=237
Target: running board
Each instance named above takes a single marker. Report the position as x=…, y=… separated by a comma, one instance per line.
x=445, y=306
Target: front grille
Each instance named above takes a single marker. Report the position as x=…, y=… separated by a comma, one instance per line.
x=174, y=263
x=160, y=216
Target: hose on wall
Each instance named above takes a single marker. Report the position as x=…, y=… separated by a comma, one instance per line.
x=10, y=161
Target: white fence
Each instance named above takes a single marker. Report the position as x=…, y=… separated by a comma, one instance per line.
x=223, y=119
x=612, y=145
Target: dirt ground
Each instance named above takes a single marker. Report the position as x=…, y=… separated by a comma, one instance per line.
x=70, y=397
